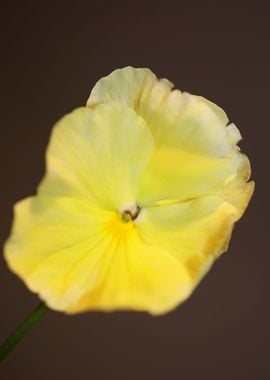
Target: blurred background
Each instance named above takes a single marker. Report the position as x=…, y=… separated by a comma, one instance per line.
x=52, y=53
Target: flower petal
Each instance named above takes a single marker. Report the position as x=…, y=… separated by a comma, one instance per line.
x=51, y=239
x=238, y=191
x=196, y=152
x=77, y=258
x=176, y=119
x=99, y=155
x=195, y=232
x=124, y=86
x=140, y=276
x=174, y=176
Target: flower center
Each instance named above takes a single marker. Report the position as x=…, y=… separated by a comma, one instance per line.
x=128, y=215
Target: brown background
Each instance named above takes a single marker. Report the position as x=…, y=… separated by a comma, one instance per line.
x=52, y=53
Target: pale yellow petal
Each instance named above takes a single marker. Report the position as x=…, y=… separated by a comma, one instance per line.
x=196, y=152
x=50, y=238
x=176, y=119
x=123, y=85
x=238, y=191
x=174, y=176
x=99, y=155
x=195, y=232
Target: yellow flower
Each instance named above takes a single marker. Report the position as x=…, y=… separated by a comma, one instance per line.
x=142, y=189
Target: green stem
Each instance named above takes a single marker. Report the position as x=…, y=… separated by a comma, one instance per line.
x=21, y=330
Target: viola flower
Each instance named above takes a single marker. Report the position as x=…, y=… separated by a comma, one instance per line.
x=142, y=189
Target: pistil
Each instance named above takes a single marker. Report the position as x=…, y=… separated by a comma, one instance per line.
x=130, y=215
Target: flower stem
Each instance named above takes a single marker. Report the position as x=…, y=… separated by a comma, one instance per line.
x=21, y=330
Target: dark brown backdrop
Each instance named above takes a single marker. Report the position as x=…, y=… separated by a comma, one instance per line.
x=51, y=56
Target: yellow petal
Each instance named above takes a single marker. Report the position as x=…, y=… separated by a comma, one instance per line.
x=79, y=258
x=195, y=232
x=124, y=86
x=140, y=276
x=196, y=152
x=176, y=119
x=238, y=191
x=174, y=176
x=51, y=239
x=160, y=259
x=99, y=155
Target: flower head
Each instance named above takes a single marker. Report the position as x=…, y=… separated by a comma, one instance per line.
x=142, y=189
